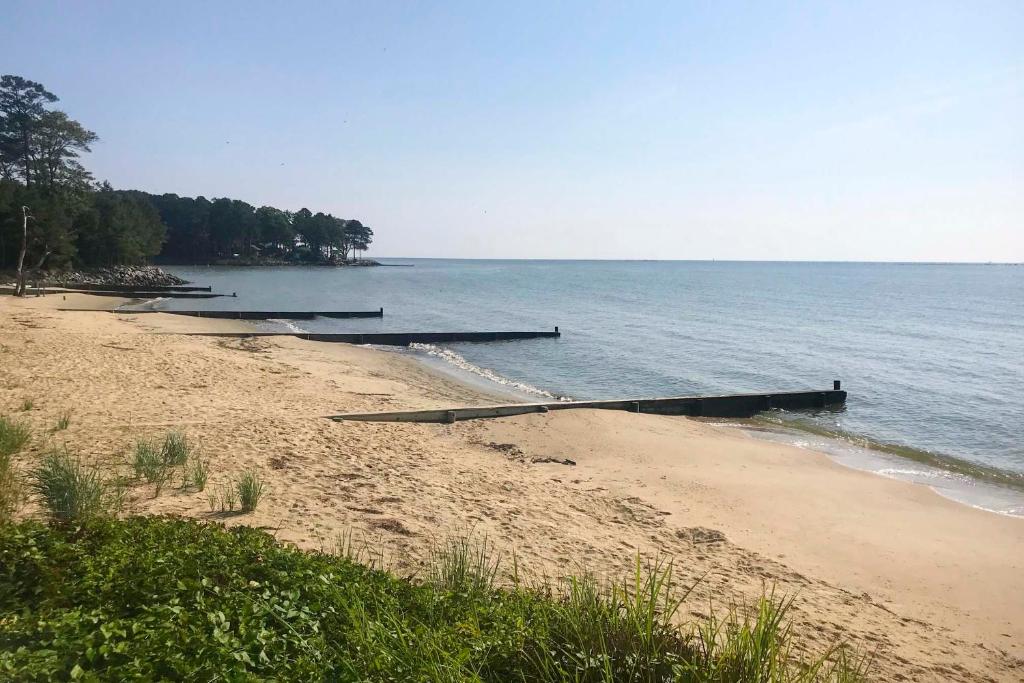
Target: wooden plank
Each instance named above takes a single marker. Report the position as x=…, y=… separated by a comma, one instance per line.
x=387, y=338
x=728, y=405
x=242, y=315
x=136, y=288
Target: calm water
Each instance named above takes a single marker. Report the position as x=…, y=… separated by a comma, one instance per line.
x=932, y=355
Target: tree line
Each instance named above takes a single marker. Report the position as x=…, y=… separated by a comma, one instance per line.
x=53, y=214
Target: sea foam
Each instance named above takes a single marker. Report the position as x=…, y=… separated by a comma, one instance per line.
x=461, y=363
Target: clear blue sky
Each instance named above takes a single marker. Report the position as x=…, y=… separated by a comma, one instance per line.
x=817, y=130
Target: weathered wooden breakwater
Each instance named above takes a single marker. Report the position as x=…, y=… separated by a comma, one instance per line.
x=244, y=315
x=730, y=405
x=92, y=286
x=125, y=294
x=387, y=338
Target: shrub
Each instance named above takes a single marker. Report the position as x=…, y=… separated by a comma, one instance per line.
x=27, y=405
x=70, y=491
x=13, y=436
x=250, y=490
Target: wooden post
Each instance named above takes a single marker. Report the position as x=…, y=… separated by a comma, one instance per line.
x=835, y=385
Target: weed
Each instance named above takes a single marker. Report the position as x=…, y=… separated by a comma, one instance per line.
x=14, y=436
x=63, y=422
x=27, y=405
x=195, y=474
x=250, y=490
x=70, y=491
x=176, y=449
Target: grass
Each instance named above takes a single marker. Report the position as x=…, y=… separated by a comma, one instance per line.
x=27, y=405
x=156, y=463
x=176, y=449
x=195, y=474
x=14, y=436
x=68, y=490
x=148, y=463
x=63, y=422
x=250, y=490
x=160, y=598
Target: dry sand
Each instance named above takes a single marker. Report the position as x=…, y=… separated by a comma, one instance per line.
x=934, y=588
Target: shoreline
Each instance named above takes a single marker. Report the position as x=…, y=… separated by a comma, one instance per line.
x=893, y=567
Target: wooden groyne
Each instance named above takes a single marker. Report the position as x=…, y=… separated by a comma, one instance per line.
x=125, y=294
x=388, y=338
x=91, y=286
x=244, y=315
x=731, y=405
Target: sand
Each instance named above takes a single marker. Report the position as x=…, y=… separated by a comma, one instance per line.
x=932, y=587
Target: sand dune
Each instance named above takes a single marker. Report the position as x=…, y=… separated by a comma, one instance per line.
x=930, y=585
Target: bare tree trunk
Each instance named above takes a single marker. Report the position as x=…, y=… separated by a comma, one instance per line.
x=19, y=289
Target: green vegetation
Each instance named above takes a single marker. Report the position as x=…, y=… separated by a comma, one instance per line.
x=14, y=435
x=148, y=463
x=27, y=405
x=63, y=422
x=195, y=474
x=156, y=598
x=70, y=491
x=250, y=490
x=176, y=449
x=69, y=219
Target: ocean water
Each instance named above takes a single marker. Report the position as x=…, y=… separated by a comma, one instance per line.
x=932, y=355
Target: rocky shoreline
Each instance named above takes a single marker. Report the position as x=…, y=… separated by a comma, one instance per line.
x=139, y=277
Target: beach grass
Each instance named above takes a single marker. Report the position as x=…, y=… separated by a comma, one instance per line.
x=250, y=490
x=68, y=489
x=162, y=598
x=14, y=435
x=176, y=449
x=63, y=422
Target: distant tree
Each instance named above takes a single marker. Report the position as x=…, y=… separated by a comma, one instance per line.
x=357, y=237
x=22, y=108
x=275, y=229
x=59, y=141
x=119, y=228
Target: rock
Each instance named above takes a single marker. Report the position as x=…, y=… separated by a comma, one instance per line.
x=127, y=276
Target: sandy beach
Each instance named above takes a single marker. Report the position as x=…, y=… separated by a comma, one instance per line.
x=932, y=587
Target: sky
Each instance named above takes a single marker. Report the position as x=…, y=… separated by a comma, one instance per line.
x=864, y=131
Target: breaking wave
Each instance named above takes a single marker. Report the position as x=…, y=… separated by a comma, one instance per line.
x=288, y=324
x=461, y=363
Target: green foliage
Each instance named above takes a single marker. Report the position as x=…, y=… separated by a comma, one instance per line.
x=70, y=491
x=158, y=598
x=14, y=436
x=250, y=490
x=27, y=405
